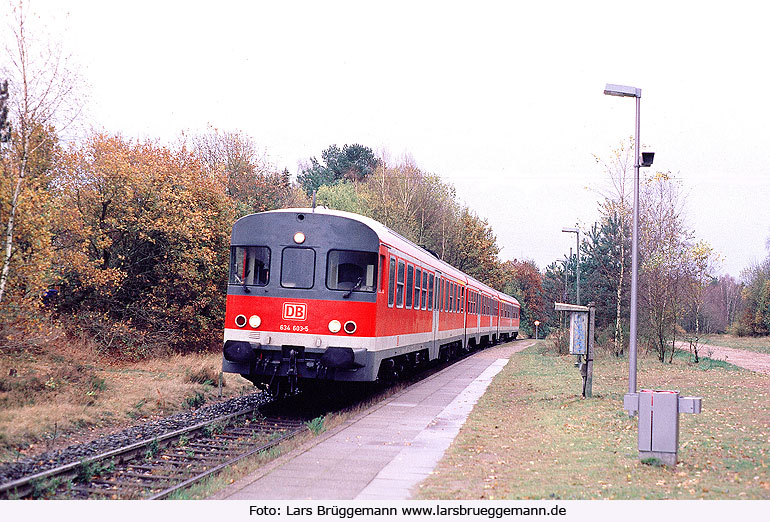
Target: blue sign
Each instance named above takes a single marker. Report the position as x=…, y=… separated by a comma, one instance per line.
x=578, y=333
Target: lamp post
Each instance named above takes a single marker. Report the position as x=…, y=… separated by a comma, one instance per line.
x=576, y=231
x=633, y=92
x=537, y=323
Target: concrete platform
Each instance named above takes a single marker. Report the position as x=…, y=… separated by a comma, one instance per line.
x=387, y=450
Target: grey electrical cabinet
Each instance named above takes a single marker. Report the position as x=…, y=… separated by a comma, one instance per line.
x=659, y=423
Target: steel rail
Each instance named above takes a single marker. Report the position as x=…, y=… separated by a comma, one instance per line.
x=23, y=486
x=193, y=480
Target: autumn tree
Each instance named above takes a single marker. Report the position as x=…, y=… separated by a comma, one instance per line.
x=615, y=245
x=522, y=280
x=665, y=262
x=722, y=304
x=755, y=317
x=142, y=246
x=252, y=182
x=475, y=249
x=417, y=204
x=41, y=96
x=341, y=196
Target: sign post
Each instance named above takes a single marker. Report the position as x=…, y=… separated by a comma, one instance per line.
x=581, y=339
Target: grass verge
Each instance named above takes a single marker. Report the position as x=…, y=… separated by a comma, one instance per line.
x=753, y=344
x=532, y=436
x=67, y=393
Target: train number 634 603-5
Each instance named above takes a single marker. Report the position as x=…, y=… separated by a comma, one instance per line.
x=294, y=328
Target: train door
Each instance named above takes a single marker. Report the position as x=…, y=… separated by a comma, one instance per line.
x=476, y=321
x=464, y=314
x=436, y=309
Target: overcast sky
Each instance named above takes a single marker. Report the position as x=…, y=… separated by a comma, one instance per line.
x=502, y=99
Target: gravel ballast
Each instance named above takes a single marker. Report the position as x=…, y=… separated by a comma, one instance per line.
x=149, y=430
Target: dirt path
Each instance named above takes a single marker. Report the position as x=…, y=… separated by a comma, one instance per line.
x=756, y=362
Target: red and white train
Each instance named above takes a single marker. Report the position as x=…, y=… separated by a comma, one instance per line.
x=318, y=294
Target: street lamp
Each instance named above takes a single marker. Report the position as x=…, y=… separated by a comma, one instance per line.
x=577, y=271
x=646, y=161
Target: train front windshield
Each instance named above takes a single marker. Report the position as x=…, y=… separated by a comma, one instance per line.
x=250, y=265
x=351, y=270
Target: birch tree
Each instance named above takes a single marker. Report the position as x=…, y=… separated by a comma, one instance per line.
x=43, y=96
x=616, y=209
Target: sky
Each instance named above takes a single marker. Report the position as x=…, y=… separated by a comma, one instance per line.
x=504, y=100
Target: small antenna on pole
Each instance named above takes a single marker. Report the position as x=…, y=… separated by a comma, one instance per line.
x=314, y=201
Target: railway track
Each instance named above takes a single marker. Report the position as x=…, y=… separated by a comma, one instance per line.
x=156, y=468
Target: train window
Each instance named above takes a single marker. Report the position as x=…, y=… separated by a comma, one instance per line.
x=424, y=289
x=452, y=297
x=250, y=265
x=350, y=270
x=297, y=267
x=456, y=300
x=417, y=288
x=462, y=300
x=400, y=285
x=409, y=285
x=430, y=292
x=392, y=281
x=445, y=297
x=440, y=295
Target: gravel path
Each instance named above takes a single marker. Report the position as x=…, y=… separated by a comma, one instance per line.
x=754, y=361
x=149, y=430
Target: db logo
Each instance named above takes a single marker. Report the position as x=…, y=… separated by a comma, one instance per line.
x=294, y=311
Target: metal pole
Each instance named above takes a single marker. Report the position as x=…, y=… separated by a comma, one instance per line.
x=634, y=260
x=564, y=299
x=577, y=274
x=588, y=389
x=566, y=266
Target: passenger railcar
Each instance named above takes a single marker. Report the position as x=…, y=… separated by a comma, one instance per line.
x=318, y=294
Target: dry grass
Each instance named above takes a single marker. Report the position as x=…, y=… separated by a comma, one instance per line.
x=532, y=436
x=754, y=344
x=63, y=392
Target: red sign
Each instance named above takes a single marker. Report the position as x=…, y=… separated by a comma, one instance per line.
x=294, y=311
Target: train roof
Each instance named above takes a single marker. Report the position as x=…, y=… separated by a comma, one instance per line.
x=395, y=239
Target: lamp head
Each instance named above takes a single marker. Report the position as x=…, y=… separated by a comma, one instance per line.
x=622, y=90
x=647, y=158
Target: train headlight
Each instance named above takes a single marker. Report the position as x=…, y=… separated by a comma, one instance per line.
x=350, y=327
x=255, y=321
x=299, y=238
x=240, y=320
x=335, y=326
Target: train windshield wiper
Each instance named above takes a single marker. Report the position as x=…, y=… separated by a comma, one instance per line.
x=354, y=287
x=246, y=276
